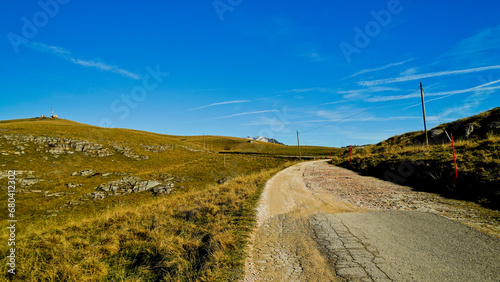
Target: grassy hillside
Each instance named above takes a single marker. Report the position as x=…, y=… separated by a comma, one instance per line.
x=114, y=204
x=241, y=145
x=405, y=159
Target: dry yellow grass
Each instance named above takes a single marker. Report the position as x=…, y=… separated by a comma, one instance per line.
x=195, y=233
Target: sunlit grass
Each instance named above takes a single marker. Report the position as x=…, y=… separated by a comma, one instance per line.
x=196, y=233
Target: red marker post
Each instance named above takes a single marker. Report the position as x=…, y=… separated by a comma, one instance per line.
x=454, y=157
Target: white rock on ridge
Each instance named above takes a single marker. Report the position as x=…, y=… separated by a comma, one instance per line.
x=265, y=139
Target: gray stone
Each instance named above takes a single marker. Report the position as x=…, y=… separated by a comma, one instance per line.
x=131, y=184
x=57, y=194
x=436, y=133
x=151, y=184
x=57, y=150
x=88, y=172
x=469, y=128
x=29, y=181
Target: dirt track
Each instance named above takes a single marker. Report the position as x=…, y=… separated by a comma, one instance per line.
x=308, y=231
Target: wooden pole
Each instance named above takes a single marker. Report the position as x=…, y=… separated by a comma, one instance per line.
x=298, y=143
x=423, y=109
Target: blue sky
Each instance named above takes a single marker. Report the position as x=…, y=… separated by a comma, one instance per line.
x=340, y=72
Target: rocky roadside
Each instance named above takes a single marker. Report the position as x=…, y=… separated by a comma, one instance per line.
x=374, y=194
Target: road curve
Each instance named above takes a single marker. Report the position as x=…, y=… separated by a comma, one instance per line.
x=308, y=235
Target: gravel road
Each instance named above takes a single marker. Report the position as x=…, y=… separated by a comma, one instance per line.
x=317, y=222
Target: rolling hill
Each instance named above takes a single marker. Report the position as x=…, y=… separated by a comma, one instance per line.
x=99, y=204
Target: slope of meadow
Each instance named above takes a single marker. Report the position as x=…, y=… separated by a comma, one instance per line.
x=114, y=204
x=405, y=159
x=245, y=146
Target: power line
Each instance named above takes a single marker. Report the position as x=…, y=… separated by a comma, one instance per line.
x=440, y=122
x=434, y=110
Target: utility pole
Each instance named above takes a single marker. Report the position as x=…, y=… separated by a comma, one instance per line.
x=423, y=109
x=298, y=143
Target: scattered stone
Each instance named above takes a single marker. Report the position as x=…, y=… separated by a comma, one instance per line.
x=57, y=194
x=97, y=195
x=132, y=184
x=88, y=172
x=29, y=181
x=126, y=151
x=57, y=145
x=162, y=189
x=156, y=148
x=73, y=185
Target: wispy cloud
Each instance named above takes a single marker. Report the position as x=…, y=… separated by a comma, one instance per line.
x=276, y=123
x=425, y=75
x=366, y=92
x=327, y=117
x=392, y=97
x=313, y=89
x=478, y=90
x=314, y=56
x=379, y=68
x=65, y=54
x=247, y=113
x=370, y=90
x=483, y=44
x=221, y=103
x=445, y=94
x=409, y=71
x=336, y=102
